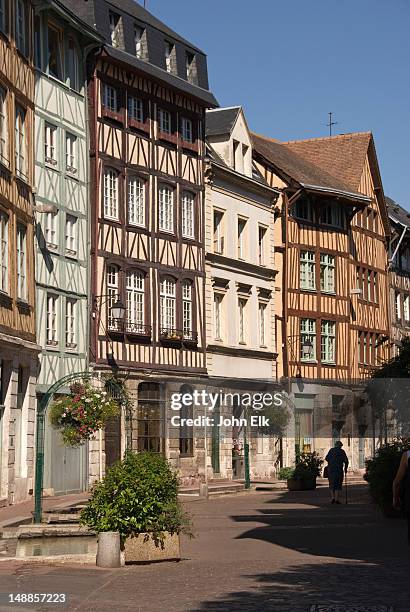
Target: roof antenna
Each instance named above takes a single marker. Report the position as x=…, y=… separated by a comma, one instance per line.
x=329, y=125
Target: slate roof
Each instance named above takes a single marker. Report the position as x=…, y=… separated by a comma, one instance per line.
x=172, y=80
x=221, y=121
x=396, y=212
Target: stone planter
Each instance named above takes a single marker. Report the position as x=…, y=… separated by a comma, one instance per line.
x=108, y=550
x=142, y=550
x=298, y=484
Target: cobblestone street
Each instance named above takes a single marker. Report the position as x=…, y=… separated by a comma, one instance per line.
x=256, y=551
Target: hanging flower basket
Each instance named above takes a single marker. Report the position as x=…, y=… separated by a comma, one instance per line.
x=82, y=413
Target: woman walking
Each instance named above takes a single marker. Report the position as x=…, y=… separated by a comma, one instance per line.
x=336, y=460
x=403, y=474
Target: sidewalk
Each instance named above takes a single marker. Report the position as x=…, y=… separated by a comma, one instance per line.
x=23, y=512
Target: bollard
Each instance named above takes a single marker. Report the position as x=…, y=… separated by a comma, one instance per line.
x=108, y=549
x=203, y=489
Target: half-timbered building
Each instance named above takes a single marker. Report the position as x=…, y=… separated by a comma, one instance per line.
x=399, y=274
x=240, y=291
x=147, y=96
x=62, y=211
x=18, y=348
x=334, y=275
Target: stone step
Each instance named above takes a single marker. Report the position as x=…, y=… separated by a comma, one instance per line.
x=54, y=517
x=215, y=489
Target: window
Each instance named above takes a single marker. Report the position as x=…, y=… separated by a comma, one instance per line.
x=21, y=26
x=135, y=302
x=71, y=153
x=303, y=209
x=406, y=308
x=186, y=432
x=327, y=273
x=405, y=259
x=139, y=39
x=3, y=15
x=375, y=288
x=166, y=209
x=21, y=145
x=169, y=57
x=21, y=263
x=186, y=129
x=112, y=295
x=241, y=238
x=73, y=65
x=111, y=194
x=110, y=98
x=307, y=337
x=307, y=270
x=191, y=68
x=262, y=231
x=150, y=417
x=164, y=119
x=398, y=306
x=218, y=316
x=262, y=324
x=4, y=252
x=70, y=323
x=115, y=29
x=187, y=309
x=135, y=109
x=188, y=200
x=167, y=304
x=218, y=233
x=136, y=201
x=242, y=320
x=331, y=214
x=51, y=230
x=51, y=331
x=369, y=286
x=4, y=158
x=50, y=144
x=55, y=56
x=71, y=235
x=328, y=340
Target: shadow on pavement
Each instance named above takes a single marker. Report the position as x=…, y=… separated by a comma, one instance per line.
x=297, y=588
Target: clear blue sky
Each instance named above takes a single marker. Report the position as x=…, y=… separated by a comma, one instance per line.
x=290, y=63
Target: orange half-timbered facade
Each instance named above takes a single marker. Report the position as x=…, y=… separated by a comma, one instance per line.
x=18, y=348
x=147, y=97
x=333, y=262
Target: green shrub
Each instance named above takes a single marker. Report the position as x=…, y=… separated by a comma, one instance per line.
x=138, y=495
x=308, y=465
x=285, y=473
x=381, y=471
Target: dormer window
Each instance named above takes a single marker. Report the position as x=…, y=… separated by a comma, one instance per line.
x=55, y=64
x=115, y=29
x=135, y=109
x=191, y=69
x=169, y=57
x=139, y=39
x=331, y=214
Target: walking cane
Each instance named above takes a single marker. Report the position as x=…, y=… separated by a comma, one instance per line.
x=346, y=485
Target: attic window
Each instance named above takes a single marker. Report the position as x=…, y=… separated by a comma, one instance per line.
x=140, y=42
x=115, y=29
x=170, y=61
x=191, y=68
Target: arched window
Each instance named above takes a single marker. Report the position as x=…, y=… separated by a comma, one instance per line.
x=150, y=420
x=167, y=304
x=135, y=302
x=188, y=200
x=112, y=284
x=73, y=65
x=111, y=194
x=186, y=431
x=187, y=308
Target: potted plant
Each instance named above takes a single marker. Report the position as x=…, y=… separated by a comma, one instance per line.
x=380, y=473
x=139, y=498
x=307, y=469
x=285, y=473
